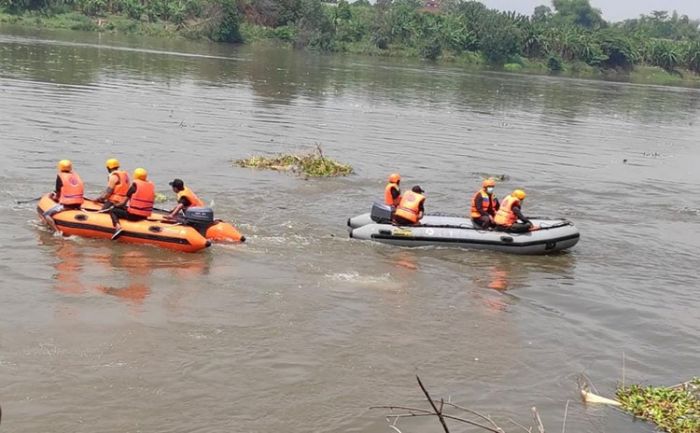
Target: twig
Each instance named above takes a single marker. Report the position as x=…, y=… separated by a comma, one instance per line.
x=470, y=422
x=430, y=400
x=423, y=412
x=411, y=409
x=536, y=415
x=623, y=370
x=484, y=417
x=566, y=412
x=528, y=430
x=408, y=415
x=396, y=429
x=589, y=382
x=466, y=421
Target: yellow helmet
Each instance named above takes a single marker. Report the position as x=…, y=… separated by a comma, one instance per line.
x=65, y=165
x=488, y=182
x=140, y=174
x=519, y=194
x=394, y=178
x=112, y=163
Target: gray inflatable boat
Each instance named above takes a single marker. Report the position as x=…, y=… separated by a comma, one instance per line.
x=553, y=235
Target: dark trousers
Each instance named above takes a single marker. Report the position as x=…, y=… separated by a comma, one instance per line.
x=517, y=228
x=403, y=221
x=108, y=204
x=121, y=212
x=483, y=222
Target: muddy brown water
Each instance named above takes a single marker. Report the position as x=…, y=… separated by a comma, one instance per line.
x=302, y=329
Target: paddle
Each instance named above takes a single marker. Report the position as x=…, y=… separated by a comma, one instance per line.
x=28, y=201
x=98, y=211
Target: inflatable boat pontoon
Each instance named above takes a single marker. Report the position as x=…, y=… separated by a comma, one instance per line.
x=194, y=235
x=553, y=234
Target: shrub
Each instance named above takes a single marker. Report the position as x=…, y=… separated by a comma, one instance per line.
x=554, y=63
x=223, y=24
x=431, y=49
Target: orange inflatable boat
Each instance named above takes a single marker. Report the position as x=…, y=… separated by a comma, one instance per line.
x=215, y=231
x=90, y=222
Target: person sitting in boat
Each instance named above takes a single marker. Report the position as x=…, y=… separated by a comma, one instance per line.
x=140, y=199
x=509, y=213
x=484, y=205
x=392, y=191
x=410, y=209
x=118, y=185
x=185, y=198
x=68, y=193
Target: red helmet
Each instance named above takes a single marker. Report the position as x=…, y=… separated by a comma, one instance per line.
x=488, y=182
x=394, y=178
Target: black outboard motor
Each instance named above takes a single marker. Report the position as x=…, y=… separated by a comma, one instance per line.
x=198, y=217
x=381, y=213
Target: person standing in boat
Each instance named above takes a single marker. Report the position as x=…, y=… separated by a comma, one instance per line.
x=68, y=193
x=410, y=209
x=510, y=212
x=140, y=199
x=484, y=205
x=392, y=191
x=185, y=198
x=118, y=185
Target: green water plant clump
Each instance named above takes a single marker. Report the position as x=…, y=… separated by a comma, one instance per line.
x=312, y=164
x=673, y=409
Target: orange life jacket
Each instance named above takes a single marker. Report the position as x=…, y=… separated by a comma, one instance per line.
x=192, y=197
x=118, y=195
x=487, y=204
x=141, y=202
x=72, y=188
x=505, y=215
x=409, y=207
x=388, y=198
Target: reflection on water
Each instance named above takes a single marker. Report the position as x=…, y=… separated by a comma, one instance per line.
x=281, y=76
x=126, y=274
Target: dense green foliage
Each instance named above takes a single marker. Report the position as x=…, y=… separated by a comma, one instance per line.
x=571, y=34
x=673, y=410
x=218, y=20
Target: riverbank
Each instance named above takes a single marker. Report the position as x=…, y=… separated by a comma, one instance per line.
x=79, y=22
x=286, y=36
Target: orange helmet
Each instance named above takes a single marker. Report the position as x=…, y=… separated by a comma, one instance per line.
x=488, y=182
x=140, y=174
x=519, y=194
x=394, y=178
x=65, y=165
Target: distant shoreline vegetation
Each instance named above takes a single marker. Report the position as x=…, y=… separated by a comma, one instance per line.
x=571, y=37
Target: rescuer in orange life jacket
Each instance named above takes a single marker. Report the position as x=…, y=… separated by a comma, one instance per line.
x=392, y=191
x=484, y=205
x=185, y=198
x=410, y=209
x=68, y=193
x=509, y=213
x=141, y=196
x=118, y=185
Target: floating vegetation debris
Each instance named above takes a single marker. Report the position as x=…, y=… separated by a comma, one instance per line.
x=673, y=409
x=161, y=198
x=312, y=164
x=496, y=177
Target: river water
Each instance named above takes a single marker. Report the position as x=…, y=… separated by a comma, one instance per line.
x=302, y=329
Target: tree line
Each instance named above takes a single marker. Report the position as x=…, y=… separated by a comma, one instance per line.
x=570, y=32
